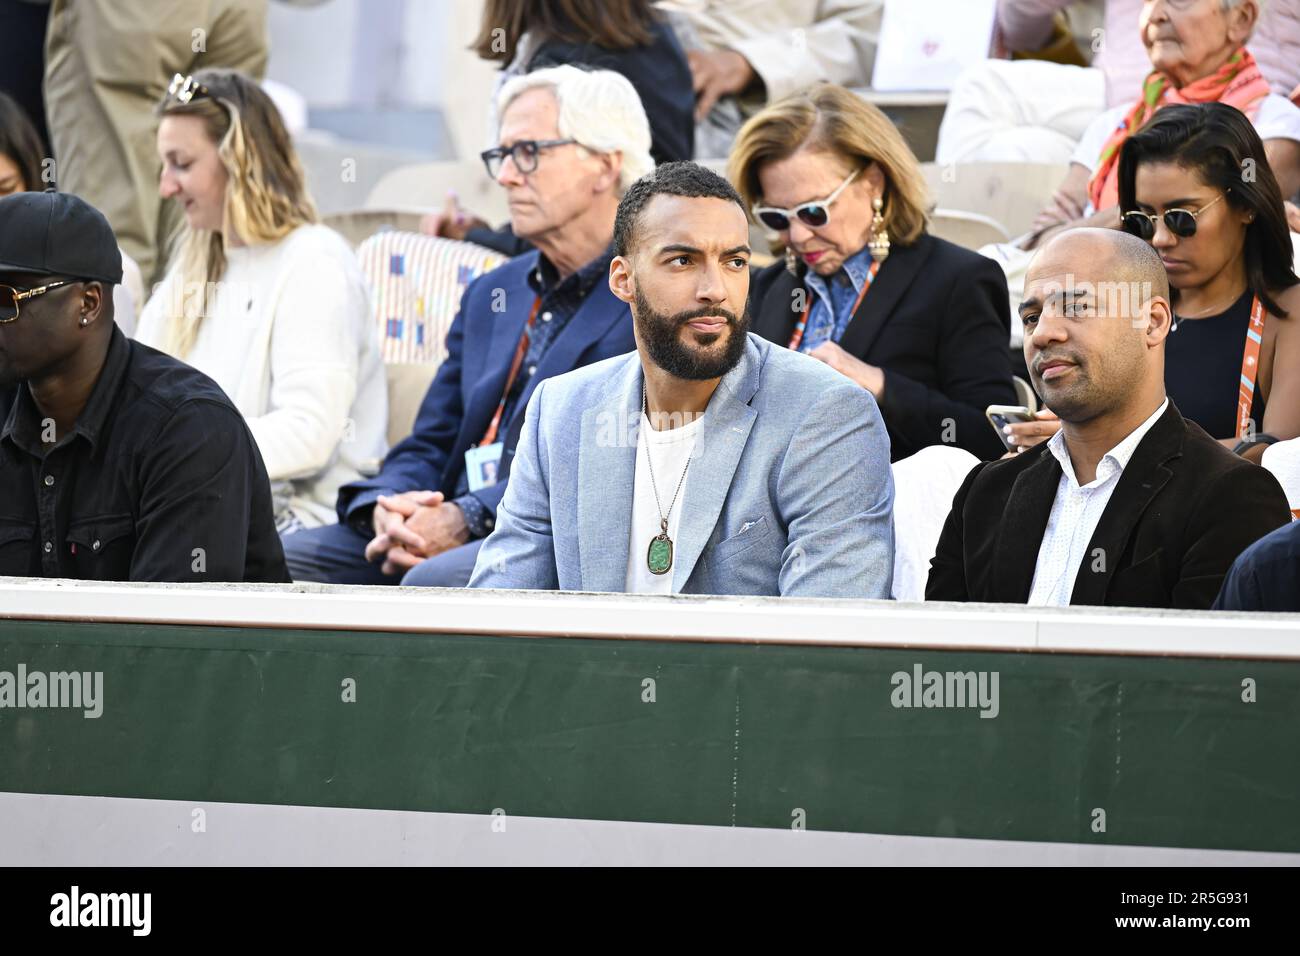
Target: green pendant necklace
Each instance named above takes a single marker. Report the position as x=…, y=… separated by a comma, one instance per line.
x=659, y=556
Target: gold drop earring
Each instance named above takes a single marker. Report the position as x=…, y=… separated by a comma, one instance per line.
x=878, y=244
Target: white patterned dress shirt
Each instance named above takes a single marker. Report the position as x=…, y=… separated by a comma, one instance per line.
x=1075, y=514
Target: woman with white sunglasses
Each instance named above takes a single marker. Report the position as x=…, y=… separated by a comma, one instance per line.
x=919, y=322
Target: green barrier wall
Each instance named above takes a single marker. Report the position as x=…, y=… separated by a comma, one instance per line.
x=752, y=735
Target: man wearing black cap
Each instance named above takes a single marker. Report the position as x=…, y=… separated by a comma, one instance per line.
x=117, y=463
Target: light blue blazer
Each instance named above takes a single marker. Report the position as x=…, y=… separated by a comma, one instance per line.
x=789, y=491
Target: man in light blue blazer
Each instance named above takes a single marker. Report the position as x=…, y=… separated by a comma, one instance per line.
x=708, y=461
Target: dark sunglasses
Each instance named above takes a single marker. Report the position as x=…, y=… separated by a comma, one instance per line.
x=10, y=297
x=523, y=153
x=1181, y=222
x=815, y=214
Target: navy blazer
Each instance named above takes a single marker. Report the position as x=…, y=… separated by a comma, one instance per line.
x=938, y=322
x=460, y=403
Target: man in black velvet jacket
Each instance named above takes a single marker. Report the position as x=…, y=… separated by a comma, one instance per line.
x=1129, y=504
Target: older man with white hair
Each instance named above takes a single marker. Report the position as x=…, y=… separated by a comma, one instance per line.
x=570, y=142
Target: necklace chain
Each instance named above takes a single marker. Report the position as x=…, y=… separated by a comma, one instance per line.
x=649, y=460
x=1211, y=310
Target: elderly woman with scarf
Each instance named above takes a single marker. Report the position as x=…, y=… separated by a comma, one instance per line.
x=1198, y=54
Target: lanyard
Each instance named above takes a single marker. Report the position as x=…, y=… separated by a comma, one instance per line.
x=797, y=339
x=491, y=434
x=1249, y=366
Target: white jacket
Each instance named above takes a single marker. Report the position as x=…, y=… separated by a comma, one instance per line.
x=289, y=337
x=791, y=43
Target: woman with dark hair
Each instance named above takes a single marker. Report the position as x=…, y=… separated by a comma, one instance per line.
x=1200, y=53
x=1195, y=183
x=20, y=150
x=626, y=36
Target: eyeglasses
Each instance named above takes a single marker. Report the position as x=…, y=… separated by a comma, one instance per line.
x=524, y=154
x=10, y=297
x=815, y=214
x=185, y=88
x=1181, y=222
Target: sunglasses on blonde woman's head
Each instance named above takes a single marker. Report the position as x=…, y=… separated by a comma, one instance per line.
x=1181, y=222
x=815, y=214
x=185, y=88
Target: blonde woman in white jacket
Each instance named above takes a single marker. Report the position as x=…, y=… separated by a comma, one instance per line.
x=264, y=299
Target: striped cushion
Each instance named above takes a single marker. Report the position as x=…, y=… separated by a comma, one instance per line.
x=415, y=284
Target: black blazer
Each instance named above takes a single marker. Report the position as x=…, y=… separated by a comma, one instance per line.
x=1183, y=510
x=938, y=322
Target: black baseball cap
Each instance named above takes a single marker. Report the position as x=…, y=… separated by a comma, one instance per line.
x=57, y=234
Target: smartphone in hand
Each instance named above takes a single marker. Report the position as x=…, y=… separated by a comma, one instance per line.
x=1000, y=416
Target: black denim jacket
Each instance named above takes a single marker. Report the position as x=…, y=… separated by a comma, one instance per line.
x=159, y=480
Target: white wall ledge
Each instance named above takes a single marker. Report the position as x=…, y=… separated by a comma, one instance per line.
x=938, y=626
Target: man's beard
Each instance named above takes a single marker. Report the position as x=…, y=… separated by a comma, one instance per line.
x=661, y=334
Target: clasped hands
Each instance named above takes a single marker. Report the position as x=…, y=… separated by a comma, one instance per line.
x=851, y=367
x=413, y=526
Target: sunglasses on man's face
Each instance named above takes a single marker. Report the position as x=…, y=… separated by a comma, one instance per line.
x=814, y=214
x=10, y=297
x=1181, y=222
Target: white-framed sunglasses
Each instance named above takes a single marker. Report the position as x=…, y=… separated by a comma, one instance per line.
x=815, y=214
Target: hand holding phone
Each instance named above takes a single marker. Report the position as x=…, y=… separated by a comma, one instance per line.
x=1026, y=432
x=1000, y=416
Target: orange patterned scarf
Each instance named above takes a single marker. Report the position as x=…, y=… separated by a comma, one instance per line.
x=1237, y=83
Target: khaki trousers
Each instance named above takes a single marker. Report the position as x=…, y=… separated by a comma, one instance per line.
x=107, y=65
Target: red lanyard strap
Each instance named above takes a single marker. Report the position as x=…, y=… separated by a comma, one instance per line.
x=494, y=426
x=1249, y=366
x=797, y=339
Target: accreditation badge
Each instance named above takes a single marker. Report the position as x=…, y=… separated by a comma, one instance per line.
x=481, y=464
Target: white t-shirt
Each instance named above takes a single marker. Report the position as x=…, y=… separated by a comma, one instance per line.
x=289, y=338
x=1278, y=118
x=670, y=449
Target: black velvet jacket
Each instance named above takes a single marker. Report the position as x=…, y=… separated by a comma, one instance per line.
x=1184, y=509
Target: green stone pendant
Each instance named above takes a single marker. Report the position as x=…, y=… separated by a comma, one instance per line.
x=659, y=558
